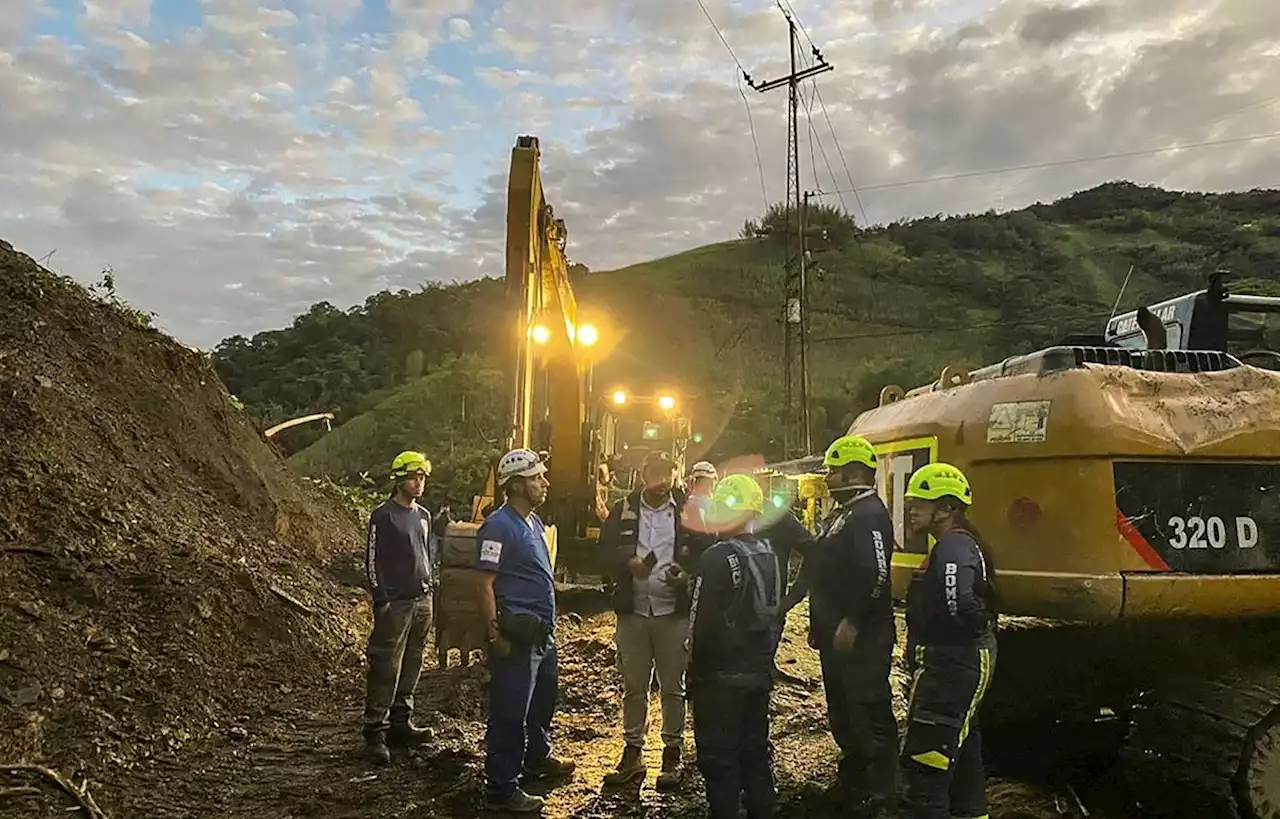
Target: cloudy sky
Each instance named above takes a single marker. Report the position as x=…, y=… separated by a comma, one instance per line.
x=235, y=161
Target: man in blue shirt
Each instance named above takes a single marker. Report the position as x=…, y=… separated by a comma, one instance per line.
x=517, y=598
x=398, y=562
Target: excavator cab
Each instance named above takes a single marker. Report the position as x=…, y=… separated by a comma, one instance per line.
x=1245, y=326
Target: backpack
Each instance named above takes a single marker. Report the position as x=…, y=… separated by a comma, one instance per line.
x=757, y=580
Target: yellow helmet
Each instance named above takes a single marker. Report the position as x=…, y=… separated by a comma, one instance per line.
x=850, y=449
x=410, y=463
x=738, y=493
x=939, y=480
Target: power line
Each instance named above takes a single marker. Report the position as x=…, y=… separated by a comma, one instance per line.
x=813, y=136
x=742, y=72
x=1081, y=160
x=919, y=331
x=764, y=191
x=720, y=34
x=857, y=198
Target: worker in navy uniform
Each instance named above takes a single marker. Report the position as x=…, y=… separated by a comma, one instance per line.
x=852, y=626
x=734, y=632
x=517, y=595
x=399, y=566
x=951, y=651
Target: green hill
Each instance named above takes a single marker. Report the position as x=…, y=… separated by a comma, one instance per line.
x=890, y=304
x=449, y=413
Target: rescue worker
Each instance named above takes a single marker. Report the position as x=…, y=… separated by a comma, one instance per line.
x=852, y=626
x=517, y=598
x=733, y=638
x=951, y=651
x=398, y=563
x=699, y=485
x=649, y=553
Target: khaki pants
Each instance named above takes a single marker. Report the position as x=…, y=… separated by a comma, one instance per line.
x=646, y=643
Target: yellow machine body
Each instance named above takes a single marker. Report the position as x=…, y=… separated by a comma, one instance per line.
x=1102, y=491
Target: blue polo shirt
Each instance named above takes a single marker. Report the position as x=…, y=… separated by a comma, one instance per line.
x=516, y=549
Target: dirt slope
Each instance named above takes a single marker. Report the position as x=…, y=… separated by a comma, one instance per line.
x=149, y=544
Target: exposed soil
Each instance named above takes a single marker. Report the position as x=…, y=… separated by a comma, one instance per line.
x=182, y=622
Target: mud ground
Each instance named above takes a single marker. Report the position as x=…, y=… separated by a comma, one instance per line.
x=299, y=759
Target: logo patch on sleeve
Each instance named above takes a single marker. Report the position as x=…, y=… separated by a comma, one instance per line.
x=491, y=551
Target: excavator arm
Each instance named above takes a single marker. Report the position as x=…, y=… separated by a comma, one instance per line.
x=546, y=388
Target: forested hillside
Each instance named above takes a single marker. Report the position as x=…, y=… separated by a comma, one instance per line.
x=889, y=304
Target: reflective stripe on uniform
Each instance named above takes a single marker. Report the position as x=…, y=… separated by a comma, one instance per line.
x=984, y=679
x=934, y=759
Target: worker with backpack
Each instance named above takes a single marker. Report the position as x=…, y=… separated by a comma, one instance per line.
x=734, y=632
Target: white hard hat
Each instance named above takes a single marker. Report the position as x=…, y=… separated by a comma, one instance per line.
x=520, y=463
x=703, y=469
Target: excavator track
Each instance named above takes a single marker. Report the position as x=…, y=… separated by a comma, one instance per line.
x=1207, y=747
x=1184, y=718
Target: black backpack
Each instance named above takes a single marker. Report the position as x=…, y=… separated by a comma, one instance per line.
x=757, y=579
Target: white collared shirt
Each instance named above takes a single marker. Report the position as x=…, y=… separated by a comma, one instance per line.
x=657, y=534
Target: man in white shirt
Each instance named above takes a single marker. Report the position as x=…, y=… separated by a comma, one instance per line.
x=649, y=556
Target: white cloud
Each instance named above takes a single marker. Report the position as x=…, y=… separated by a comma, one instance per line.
x=459, y=29
x=241, y=172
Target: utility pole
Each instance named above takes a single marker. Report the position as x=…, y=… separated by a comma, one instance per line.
x=796, y=434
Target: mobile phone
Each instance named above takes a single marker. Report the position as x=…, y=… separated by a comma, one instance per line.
x=651, y=559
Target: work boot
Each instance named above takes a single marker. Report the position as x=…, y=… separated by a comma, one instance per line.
x=549, y=768
x=630, y=768
x=375, y=748
x=670, y=777
x=515, y=802
x=405, y=734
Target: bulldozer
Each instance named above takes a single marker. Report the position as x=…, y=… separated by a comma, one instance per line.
x=1127, y=485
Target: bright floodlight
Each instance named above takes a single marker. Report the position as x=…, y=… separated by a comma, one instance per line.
x=541, y=334
x=666, y=402
x=588, y=335
x=620, y=397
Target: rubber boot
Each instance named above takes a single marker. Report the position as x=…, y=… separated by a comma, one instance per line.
x=631, y=768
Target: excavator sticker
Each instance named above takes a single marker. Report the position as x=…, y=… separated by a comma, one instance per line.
x=898, y=460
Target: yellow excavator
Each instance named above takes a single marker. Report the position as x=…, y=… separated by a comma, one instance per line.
x=552, y=407
x=1128, y=486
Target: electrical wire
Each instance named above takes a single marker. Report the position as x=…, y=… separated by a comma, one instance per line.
x=853, y=187
x=742, y=72
x=1080, y=160
x=919, y=331
x=720, y=34
x=764, y=191
x=813, y=136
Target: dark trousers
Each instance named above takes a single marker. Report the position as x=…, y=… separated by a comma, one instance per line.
x=394, y=657
x=942, y=749
x=522, y=701
x=860, y=712
x=735, y=757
